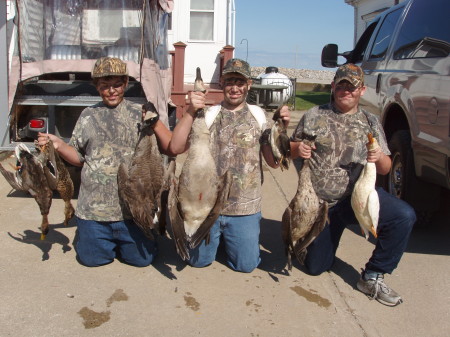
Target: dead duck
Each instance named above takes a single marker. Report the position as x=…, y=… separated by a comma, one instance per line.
x=364, y=200
x=141, y=181
x=40, y=175
x=279, y=141
x=306, y=215
x=197, y=196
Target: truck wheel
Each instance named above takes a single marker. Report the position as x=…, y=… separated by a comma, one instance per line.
x=400, y=146
x=403, y=183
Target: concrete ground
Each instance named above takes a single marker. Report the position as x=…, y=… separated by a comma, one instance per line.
x=45, y=292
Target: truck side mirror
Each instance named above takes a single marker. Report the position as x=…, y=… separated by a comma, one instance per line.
x=329, y=55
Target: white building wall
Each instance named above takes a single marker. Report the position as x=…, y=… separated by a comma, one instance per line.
x=199, y=53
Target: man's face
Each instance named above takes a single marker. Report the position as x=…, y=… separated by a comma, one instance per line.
x=111, y=89
x=235, y=88
x=346, y=95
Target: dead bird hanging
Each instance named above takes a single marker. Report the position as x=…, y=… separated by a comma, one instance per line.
x=364, y=200
x=306, y=215
x=141, y=181
x=279, y=141
x=40, y=174
x=197, y=197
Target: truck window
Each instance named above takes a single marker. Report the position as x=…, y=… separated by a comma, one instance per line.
x=425, y=33
x=361, y=47
x=384, y=35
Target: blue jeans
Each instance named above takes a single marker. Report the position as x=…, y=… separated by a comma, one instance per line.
x=394, y=227
x=99, y=242
x=241, y=238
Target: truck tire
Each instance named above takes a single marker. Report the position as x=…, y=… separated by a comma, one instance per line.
x=403, y=182
x=399, y=176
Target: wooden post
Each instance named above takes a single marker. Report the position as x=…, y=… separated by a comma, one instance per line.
x=178, y=94
x=178, y=66
x=225, y=54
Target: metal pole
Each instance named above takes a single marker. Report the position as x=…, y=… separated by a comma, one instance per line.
x=4, y=111
x=246, y=56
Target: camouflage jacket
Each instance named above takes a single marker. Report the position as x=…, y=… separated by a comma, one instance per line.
x=341, y=151
x=235, y=146
x=104, y=137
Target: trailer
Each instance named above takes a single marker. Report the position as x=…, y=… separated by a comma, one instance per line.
x=50, y=48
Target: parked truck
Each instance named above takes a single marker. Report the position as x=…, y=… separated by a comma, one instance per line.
x=404, y=53
x=51, y=49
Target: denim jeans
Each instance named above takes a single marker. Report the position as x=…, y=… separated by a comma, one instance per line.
x=241, y=239
x=394, y=227
x=98, y=243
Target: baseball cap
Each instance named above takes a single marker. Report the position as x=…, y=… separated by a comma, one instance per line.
x=109, y=66
x=237, y=66
x=351, y=73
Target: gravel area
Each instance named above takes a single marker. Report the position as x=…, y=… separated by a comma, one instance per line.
x=298, y=73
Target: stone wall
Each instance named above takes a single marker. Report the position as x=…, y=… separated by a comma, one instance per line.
x=300, y=74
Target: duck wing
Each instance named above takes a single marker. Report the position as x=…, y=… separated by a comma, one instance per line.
x=300, y=248
x=223, y=192
x=176, y=220
x=286, y=235
x=11, y=178
x=47, y=156
x=169, y=173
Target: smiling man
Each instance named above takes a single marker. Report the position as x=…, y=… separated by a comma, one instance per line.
x=337, y=158
x=235, y=135
x=104, y=136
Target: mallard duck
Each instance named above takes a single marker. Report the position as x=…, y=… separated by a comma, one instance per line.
x=306, y=215
x=197, y=197
x=140, y=182
x=279, y=141
x=365, y=201
x=40, y=175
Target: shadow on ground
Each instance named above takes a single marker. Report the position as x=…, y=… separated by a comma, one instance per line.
x=53, y=237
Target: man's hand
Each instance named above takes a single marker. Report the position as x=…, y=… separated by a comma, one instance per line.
x=285, y=115
x=149, y=114
x=197, y=101
x=43, y=139
x=304, y=150
x=374, y=155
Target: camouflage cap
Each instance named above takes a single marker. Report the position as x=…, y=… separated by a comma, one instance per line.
x=351, y=73
x=109, y=66
x=237, y=66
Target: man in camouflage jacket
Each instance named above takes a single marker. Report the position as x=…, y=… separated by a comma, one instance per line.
x=336, y=159
x=104, y=136
x=235, y=145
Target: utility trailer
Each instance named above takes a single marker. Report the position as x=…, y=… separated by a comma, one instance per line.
x=51, y=47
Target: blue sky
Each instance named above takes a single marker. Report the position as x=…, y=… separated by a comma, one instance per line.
x=291, y=33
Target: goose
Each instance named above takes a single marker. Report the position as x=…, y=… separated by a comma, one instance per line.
x=306, y=215
x=141, y=181
x=40, y=174
x=364, y=199
x=197, y=196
